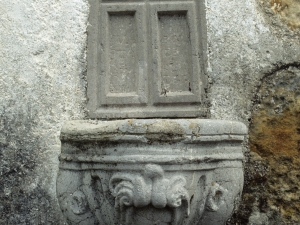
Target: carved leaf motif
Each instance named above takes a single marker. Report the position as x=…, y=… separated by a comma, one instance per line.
x=215, y=197
x=130, y=189
x=177, y=193
x=156, y=174
x=150, y=186
x=78, y=203
x=124, y=193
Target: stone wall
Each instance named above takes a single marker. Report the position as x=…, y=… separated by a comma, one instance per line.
x=271, y=193
x=41, y=85
x=253, y=72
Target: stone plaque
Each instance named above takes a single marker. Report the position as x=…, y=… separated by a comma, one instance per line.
x=146, y=59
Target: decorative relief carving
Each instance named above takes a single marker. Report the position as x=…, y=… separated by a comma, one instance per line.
x=150, y=187
x=134, y=183
x=163, y=196
x=78, y=203
x=135, y=190
x=215, y=197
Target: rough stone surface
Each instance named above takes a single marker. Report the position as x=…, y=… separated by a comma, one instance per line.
x=282, y=17
x=42, y=84
x=251, y=51
x=288, y=11
x=272, y=191
x=256, y=44
x=82, y=130
x=42, y=69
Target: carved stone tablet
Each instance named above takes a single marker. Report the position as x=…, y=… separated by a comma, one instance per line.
x=146, y=58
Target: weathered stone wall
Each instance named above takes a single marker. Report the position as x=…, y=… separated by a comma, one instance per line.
x=271, y=194
x=257, y=83
x=42, y=70
x=253, y=70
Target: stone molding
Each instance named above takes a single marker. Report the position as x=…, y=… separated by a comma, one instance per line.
x=147, y=130
x=170, y=177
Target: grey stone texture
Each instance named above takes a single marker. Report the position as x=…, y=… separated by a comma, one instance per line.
x=150, y=171
x=146, y=59
x=43, y=83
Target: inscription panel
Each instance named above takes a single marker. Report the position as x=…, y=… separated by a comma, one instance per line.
x=146, y=58
x=175, y=53
x=123, y=57
x=124, y=71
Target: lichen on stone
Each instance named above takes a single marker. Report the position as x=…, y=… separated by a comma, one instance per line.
x=272, y=170
x=289, y=11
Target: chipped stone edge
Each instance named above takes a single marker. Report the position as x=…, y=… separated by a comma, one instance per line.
x=145, y=130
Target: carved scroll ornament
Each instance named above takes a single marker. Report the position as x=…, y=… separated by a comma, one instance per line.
x=150, y=187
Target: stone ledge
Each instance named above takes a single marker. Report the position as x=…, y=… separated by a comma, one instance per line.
x=145, y=130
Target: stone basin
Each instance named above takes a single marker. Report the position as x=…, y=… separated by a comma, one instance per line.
x=150, y=171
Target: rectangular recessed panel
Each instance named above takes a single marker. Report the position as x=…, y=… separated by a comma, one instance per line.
x=176, y=72
x=144, y=58
x=123, y=52
x=123, y=73
x=176, y=66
